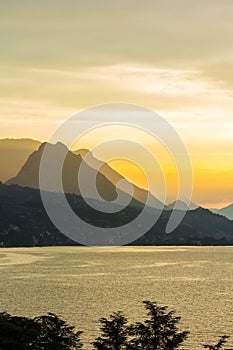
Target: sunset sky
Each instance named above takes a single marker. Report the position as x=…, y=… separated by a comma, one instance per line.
x=174, y=57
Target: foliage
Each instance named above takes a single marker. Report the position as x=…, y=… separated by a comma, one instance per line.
x=47, y=332
x=159, y=331
x=221, y=342
x=17, y=332
x=56, y=334
x=114, y=333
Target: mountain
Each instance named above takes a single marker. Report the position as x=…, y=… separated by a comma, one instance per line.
x=24, y=222
x=226, y=211
x=29, y=174
x=182, y=206
x=200, y=227
x=13, y=154
x=105, y=180
x=116, y=179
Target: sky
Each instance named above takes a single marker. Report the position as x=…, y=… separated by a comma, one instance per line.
x=174, y=57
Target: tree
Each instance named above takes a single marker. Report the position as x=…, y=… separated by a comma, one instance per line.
x=55, y=334
x=220, y=343
x=114, y=333
x=47, y=332
x=159, y=332
x=17, y=332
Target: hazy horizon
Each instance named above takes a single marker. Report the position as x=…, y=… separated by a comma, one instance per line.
x=14, y=173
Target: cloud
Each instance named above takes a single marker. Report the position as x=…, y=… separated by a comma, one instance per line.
x=152, y=80
x=128, y=77
x=25, y=111
x=76, y=33
x=185, y=97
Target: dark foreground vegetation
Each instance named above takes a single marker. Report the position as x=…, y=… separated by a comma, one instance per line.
x=159, y=331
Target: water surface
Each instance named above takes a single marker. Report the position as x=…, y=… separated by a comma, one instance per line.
x=83, y=284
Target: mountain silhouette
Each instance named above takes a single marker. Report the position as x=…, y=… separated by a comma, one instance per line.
x=106, y=179
x=117, y=179
x=182, y=206
x=226, y=211
x=13, y=154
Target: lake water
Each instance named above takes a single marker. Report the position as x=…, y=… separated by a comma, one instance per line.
x=83, y=284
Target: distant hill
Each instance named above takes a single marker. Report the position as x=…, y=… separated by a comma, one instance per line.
x=182, y=206
x=13, y=154
x=106, y=178
x=227, y=211
x=199, y=227
x=24, y=222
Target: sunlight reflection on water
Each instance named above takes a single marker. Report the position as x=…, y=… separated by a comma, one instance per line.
x=84, y=284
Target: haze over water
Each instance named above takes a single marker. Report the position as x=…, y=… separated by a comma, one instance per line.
x=83, y=284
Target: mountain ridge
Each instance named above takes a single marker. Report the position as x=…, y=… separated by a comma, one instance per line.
x=225, y=211
x=15, y=152
x=29, y=175
x=24, y=222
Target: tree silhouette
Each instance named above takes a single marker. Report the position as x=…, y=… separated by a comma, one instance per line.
x=47, y=332
x=114, y=333
x=159, y=332
x=17, y=332
x=221, y=342
x=56, y=334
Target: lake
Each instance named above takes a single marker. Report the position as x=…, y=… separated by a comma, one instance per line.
x=82, y=284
